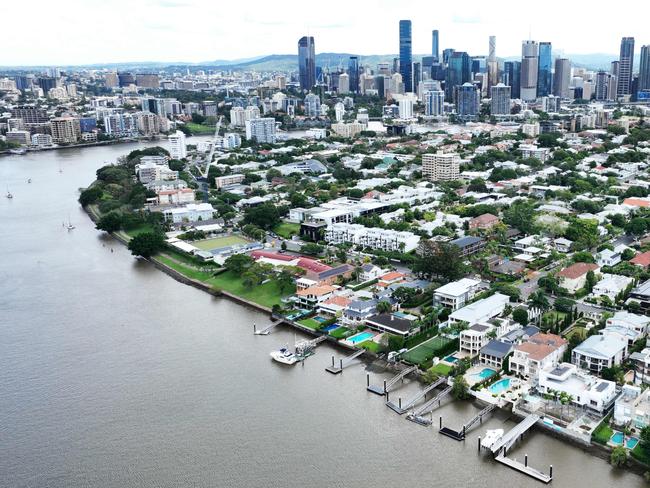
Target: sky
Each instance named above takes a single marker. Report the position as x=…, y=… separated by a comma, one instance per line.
x=69, y=32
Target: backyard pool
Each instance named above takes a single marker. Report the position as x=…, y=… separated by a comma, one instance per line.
x=500, y=386
x=485, y=373
x=330, y=328
x=451, y=359
x=631, y=442
x=362, y=336
x=617, y=438
x=320, y=319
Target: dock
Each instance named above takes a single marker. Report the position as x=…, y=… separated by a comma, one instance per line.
x=417, y=416
x=344, y=362
x=525, y=469
x=459, y=435
x=401, y=408
x=507, y=441
x=266, y=330
x=388, y=384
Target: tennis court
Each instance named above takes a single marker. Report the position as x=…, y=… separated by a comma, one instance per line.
x=219, y=242
x=426, y=350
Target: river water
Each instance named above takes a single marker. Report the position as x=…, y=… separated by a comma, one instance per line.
x=113, y=374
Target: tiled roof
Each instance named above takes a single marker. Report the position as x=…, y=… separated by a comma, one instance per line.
x=642, y=259
x=577, y=270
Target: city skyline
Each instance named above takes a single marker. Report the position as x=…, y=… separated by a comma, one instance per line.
x=87, y=32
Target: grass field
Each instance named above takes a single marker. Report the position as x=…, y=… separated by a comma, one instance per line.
x=602, y=434
x=286, y=229
x=217, y=242
x=441, y=369
x=371, y=346
x=580, y=332
x=340, y=332
x=199, y=129
x=311, y=323
x=425, y=351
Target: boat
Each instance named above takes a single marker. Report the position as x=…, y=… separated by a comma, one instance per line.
x=18, y=151
x=491, y=437
x=69, y=226
x=9, y=195
x=29, y=180
x=284, y=356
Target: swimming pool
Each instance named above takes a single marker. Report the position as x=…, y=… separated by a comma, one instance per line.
x=631, y=442
x=451, y=359
x=500, y=386
x=330, y=328
x=617, y=438
x=362, y=336
x=485, y=373
x=320, y=319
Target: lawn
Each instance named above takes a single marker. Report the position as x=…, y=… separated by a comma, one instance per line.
x=580, y=332
x=340, y=332
x=441, y=369
x=311, y=323
x=371, y=346
x=287, y=229
x=138, y=230
x=199, y=128
x=184, y=270
x=427, y=350
x=219, y=242
x=603, y=433
x=641, y=454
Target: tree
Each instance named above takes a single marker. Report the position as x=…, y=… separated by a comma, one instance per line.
x=430, y=376
x=618, y=457
x=384, y=307
x=395, y=343
x=238, y=263
x=637, y=226
x=111, y=222
x=521, y=215
x=285, y=281
x=439, y=259
x=265, y=216
x=591, y=280
x=563, y=304
x=90, y=195
x=146, y=244
x=283, y=246
x=538, y=300
x=584, y=233
x=460, y=390
x=311, y=249
x=520, y=315
x=583, y=257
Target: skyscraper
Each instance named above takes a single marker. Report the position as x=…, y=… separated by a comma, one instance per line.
x=353, y=71
x=435, y=45
x=529, y=68
x=405, y=54
x=468, y=101
x=434, y=103
x=625, y=65
x=417, y=76
x=644, y=68
x=307, y=62
x=562, y=77
x=544, y=65
x=500, y=100
x=458, y=72
x=602, y=85
x=512, y=77
x=492, y=64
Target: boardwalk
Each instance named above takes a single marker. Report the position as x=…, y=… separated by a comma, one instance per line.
x=524, y=468
x=513, y=434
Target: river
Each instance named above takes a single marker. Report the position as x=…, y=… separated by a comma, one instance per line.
x=112, y=374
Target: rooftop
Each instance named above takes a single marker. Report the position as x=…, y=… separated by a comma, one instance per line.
x=577, y=270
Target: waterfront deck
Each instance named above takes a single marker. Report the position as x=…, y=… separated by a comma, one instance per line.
x=459, y=435
x=507, y=441
x=266, y=330
x=344, y=362
x=417, y=416
x=388, y=384
x=525, y=469
x=403, y=407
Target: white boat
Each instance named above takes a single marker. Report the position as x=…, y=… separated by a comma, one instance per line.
x=491, y=437
x=18, y=151
x=284, y=356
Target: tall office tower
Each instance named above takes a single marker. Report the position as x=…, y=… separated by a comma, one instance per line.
x=435, y=45
x=147, y=80
x=434, y=103
x=544, y=66
x=383, y=69
x=111, y=80
x=353, y=72
x=380, y=85
x=644, y=68
x=417, y=76
x=22, y=82
x=468, y=101
x=625, y=66
x=492, y=64
x=529, y=68
x=307, y=62
x=46, y=83
x=405, y=54
x=427, y=64
x=458, y=72
x=395, y=65
x=500, y=100
x=602, y=85
x=614, y=68
x=562, y=77
x=512, y=77
x=344, y=83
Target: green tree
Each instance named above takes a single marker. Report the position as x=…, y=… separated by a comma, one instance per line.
x=111, y=222
x=520, y=215
x=265, y=216
x=618, y=457
x=538, y=300
x=312, y=249
x=384, y=307
x=520, y=315
x=285, y=281
x=238, y=263
x=90, y=195
x=147, y=244
x=439, y=259
x=563, y=304
x=583, y=257
x=584, y=233
x=460, y=389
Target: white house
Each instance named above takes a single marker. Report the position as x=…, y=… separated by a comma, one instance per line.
x=608, y=257
x=370, y=272
x=540, y=351
x=574, y=277
x=600, y=351
x=632, y=407
x=177, y=196
x=481, y=310
x=455, y=294
x=192, y=212
x=611, y=285
x=639, y=323
x=586, y=390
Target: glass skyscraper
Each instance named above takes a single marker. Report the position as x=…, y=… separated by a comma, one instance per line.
x=405, y=54
x=544, y=74
x=459, y=71
x=353, y=72
x=435, y=45
x=307, y=62
x=644, y=68
x=512, y=77
x=625, y=64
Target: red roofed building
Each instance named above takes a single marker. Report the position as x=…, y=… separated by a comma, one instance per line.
x=574, y=277
x=484, y=222
x=642, y=260
x=637, y=202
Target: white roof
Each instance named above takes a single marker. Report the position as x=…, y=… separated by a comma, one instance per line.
x=482, y=309
x=603, y=347
x=457, y=288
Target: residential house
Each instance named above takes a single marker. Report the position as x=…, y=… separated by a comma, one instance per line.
x=641, y=363
x=574, y=277
x=358, y=311
x=370, y=272
x=632, y=407
x=402, y=325
x=538, y=352
x=484, y=222
x=641, y=295
x=469, y=245
x=609, y=257
x=334, y=305
x=638, y=323
x=494, y=352
x=585, y=390
x=562, y=245
x=600, y=351
x=472, y=340
x=519, y=335
x=311, y=297
x=454, y=295
x=642, y=260
x=480, y=311
x=611, y=285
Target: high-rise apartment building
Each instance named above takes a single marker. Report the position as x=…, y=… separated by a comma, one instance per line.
x=492, y=64
x=312, y=105
x=353, y=72
x=406, y=54
x=434, y=103
x=31, y=114
x=344, y=83
x=177, y=147
x=500, y=100
x=441, y=166
x=625, y=66
x=65, y=130
x=644, y=68
x=307, y=62
x=562, y=77
x=468, y=101
x=458, y=71
x=261, y=130
x=544, y=67
x=529, y=70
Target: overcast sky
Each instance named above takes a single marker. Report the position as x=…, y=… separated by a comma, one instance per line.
x=46, y=32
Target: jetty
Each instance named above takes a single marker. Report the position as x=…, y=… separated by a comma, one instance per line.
x=388, y=384
x=344, y=362
x=508, y=440
x=525, y=469
x=403, y=407
x=266, y=330
x=418, y=416
x=459, y=435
